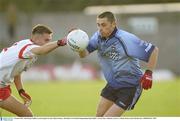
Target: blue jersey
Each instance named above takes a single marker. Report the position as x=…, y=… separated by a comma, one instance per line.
x=119, y=57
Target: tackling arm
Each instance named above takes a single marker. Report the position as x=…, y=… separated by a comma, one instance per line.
x=45, y=49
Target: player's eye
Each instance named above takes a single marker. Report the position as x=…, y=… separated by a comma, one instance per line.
x=98, y=24
x=103, y=24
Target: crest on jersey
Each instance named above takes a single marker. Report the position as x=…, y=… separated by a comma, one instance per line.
x=112, y=53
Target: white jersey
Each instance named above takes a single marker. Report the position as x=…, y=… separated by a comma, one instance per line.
x=16, y=59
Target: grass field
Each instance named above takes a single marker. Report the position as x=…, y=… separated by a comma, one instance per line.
x=79, y=99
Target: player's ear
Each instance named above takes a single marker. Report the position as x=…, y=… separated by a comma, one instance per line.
x=114, y=23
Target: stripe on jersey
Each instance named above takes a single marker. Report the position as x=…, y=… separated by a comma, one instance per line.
x=22, y=50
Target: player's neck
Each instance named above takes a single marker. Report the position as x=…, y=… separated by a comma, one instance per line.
x=33, y=40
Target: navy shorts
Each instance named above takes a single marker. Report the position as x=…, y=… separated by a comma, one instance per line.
x=125, y=97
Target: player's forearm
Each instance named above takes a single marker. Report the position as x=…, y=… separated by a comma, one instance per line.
x=45, y=48
x=17, y=82
x=153, y=59
x=83, y=53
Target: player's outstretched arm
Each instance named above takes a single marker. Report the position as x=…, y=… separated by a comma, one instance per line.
x=47, y=48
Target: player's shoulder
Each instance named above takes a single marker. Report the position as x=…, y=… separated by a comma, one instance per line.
x=25, y=41
x=125, y=34
x=121, y=32
x=95, y=35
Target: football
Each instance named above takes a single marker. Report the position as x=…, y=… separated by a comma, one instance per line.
x=77, y=40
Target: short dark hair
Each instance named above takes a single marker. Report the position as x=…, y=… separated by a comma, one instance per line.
x=41, y=29
x=109, y=15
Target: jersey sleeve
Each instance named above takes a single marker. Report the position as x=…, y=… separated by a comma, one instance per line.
x=136, y=47
x=93, y=43
x=25, y=52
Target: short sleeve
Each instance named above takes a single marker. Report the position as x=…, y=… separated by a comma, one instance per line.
x=25, y=52
x=136, y=47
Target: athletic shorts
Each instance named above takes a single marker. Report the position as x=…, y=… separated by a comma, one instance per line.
x=5, y=92
x=125, y=97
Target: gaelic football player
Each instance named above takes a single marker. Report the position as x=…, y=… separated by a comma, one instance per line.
x=119, y=54
x=18, y=58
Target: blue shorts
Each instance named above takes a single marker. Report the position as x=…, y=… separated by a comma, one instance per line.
x=125, y=97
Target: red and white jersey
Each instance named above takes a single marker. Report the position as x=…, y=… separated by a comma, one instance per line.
x=16, y=59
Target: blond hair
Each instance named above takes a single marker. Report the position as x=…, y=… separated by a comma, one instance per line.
x=41, y=29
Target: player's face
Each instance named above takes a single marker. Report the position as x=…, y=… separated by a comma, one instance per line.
x=105, y=27
x=44, y=38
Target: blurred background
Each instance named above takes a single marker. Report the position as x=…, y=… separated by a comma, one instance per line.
x=69, y=78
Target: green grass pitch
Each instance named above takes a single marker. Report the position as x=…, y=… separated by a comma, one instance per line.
x=79, y=99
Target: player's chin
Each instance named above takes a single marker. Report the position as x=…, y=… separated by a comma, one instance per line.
x=104, y=35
